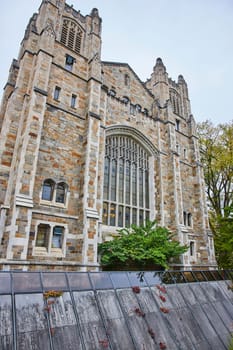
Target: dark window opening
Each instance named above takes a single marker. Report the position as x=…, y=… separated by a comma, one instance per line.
x=177, y=125
x=73, y=101
x=69, y=62
x=57, y=91
x=191, y=248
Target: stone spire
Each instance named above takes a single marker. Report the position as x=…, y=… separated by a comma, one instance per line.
x=159, y=79
x=185, y=96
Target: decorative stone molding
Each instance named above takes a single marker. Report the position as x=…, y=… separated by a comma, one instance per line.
x=24, y=201
x=92, y=213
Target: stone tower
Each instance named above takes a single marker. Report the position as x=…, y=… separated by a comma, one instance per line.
x=86, y=148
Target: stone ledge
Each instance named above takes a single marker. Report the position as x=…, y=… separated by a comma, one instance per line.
x=23, y=201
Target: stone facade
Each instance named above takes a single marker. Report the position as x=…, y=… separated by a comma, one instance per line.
x=60, y=106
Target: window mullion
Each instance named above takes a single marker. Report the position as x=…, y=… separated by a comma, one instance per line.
x=50, y=239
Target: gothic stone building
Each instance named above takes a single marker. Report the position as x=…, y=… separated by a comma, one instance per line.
x=86, y=148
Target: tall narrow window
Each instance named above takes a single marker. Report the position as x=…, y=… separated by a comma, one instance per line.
x=113, y=180
x=185, y=218
x=106, y=178
x=192, y=248
x=177, y=125
x=121, y=181
x=73, y=101
x=126, y=182
x=42, y=237
x=57, y=237
x=189, y=219
x=56, y=94
x=60, y=192
x=47, y=190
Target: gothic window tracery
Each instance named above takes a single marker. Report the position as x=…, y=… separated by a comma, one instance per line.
x=126, y=182
x=71, y=35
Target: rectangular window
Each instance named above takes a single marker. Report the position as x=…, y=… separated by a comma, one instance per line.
x=127, y=217
x=177, y=125
x=73, y=101
x=57, y=237
x=56, y=94
x=189, y=217
x=42, y=237
x=191, y=248
x=185, y=218
x=69, y=62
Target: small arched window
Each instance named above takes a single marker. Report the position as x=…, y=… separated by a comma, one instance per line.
x=47, y=190
x=61, y=192
x=138, y=108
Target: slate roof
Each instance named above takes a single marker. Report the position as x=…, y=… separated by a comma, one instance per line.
x=115, y=310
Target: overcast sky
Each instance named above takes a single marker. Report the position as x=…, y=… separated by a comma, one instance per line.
x=193, y=37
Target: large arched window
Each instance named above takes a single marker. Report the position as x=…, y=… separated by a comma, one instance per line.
x=126, y=182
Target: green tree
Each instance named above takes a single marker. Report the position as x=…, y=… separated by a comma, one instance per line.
x=141, y=246
x=216, y=144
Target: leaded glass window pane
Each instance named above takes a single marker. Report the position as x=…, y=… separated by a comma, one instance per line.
x=146, y=189
x=134, y=184
x=126, y=182
x=113, y=181
x=127, y=216
x=134, y=216
x=106, y=178
x=120, y=216
x=141, y=187
x=141, y=217
x=121, y=181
